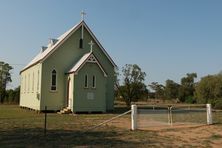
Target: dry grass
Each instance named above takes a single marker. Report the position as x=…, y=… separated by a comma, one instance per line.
x=23, y=128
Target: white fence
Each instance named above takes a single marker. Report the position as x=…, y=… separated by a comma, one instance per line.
x=170, y=115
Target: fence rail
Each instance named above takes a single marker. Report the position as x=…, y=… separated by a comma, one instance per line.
x=169, y=114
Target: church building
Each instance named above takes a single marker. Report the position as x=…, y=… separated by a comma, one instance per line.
x=73, y=71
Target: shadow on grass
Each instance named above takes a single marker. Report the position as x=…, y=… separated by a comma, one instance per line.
x=60, y=138
x=117, y=110
x=217, y=123
x=120, y=109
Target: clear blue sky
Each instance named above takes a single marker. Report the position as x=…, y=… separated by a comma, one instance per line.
x=166, y=38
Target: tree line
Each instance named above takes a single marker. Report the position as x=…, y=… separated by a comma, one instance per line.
x=131, y=87
x=7, y=96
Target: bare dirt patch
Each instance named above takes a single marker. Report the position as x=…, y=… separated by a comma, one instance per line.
x=181, y=135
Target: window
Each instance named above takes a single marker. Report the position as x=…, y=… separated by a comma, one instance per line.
x=86, y=81
x=53, y=86
x=94, y=82
x=81, y=43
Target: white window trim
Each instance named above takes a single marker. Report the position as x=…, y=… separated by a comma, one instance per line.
x=51, y=81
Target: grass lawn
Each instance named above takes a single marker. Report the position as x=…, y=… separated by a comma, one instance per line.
x=24, y=128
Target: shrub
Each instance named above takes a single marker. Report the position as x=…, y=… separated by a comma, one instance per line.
x=190, y=99
x=218, y=104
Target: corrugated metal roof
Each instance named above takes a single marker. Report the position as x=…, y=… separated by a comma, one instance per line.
x=79, y=63
x=50, y=49
x=83, y=60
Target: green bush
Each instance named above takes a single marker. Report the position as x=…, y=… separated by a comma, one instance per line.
x=190, y=100
x=218, y=104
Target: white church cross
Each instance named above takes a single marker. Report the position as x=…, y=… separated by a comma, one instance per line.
x=82, y=15
x=91, y=45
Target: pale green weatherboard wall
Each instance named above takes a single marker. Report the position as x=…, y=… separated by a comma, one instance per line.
x=81, y=100
x=109, y=68
x=30, y=87
x=62, y=60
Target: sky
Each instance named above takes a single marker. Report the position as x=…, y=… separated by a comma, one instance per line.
x=166, y=38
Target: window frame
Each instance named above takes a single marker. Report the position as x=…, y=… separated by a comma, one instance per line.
x=51, y=84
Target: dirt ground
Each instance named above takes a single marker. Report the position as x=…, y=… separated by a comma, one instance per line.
x=181, y=135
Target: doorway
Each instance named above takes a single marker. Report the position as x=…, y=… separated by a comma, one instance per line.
x=68, y=98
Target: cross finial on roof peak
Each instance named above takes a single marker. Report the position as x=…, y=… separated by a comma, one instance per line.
x=91, y=45
x=82, y=15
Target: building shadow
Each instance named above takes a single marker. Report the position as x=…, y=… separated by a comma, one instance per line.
x=35, y=137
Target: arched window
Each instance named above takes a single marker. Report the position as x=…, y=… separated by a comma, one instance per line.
x=53, y=86
x=94, y=82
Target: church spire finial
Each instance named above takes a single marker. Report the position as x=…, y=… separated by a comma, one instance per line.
x=82, y=15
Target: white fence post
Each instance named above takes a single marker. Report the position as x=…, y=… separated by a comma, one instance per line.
x=209, y=114
x=133, y=117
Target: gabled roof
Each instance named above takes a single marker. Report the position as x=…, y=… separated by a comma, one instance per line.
x=50, y=49
x=89, y=57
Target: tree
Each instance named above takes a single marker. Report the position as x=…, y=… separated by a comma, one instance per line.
x=171, y=89
x=220, y=73
x=12, y=96
x=187, y=88
x=209, y=90
x=133, y=83
x=159, y=90
x=5, y=77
